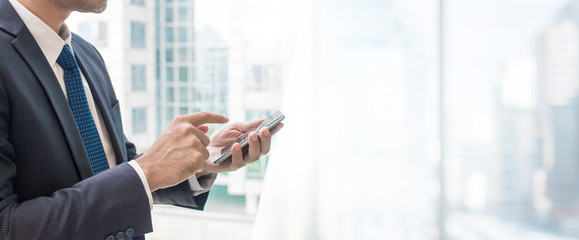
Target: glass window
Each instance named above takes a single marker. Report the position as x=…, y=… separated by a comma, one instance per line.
x=169, y=35
x=137, y=34
x=139, y=120
x=169, y=14
x=169, y=114
x=198, y=96
x=183, y=94
x=169, y=55
x=182, y=14
x=170, y=94
x=138, y=80
x=138, y=2
x=183, y=74
x=183, y=111
x=183, y=54
x=170, y=74
x=182, y=34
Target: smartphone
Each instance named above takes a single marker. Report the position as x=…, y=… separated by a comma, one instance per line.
x=243, y=140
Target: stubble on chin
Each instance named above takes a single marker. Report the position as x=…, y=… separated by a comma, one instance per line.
x=102, y=8
x=93, y=6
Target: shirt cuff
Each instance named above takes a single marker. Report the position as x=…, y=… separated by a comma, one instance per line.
x=143, y=177
x=203, y=184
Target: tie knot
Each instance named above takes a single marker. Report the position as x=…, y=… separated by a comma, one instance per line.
x=66, y=58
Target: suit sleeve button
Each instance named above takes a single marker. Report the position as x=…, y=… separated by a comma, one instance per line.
x=120, y=235
x=130, y=232
x=110, y=237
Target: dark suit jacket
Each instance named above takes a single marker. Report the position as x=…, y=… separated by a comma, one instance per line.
x=47, y=188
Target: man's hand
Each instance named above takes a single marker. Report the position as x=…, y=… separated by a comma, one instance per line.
x=258, y=146
x=180, y=151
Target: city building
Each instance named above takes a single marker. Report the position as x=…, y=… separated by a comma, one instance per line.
x=123, y=35
x=558, y=115
x=191, y=68
x=516, y=162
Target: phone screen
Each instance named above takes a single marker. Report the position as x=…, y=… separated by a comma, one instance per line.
x=270, y=122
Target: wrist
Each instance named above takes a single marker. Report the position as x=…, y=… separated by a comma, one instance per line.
x=150, y=175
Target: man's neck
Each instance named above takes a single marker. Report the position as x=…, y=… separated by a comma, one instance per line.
x=50, y=13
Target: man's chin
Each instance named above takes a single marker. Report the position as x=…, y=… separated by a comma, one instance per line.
x=99, y=7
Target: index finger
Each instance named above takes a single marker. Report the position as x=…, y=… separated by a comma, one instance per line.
x=201, y=118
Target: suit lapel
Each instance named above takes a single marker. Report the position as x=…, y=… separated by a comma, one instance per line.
x=31, y=53
x=95, y=81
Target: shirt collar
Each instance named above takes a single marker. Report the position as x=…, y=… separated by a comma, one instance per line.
x=49, y=41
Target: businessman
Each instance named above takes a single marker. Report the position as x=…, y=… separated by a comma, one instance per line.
x=66, y=169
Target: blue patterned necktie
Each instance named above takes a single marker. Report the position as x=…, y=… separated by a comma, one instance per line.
x=81, y=111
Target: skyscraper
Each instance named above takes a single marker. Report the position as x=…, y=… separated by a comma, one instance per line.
x=558, y=91
x=513, y=172
x=175, y=62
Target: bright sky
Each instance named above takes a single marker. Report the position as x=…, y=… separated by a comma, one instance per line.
x=260, y=21
x=214, y=14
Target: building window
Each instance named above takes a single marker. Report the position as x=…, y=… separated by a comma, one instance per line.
x=138, y=2
x=182, y=34
x=169, y=34
x=137, y=35
x=170, y=94
x=198, y=96
x=183, y=74
x=183, y=54
x=183, y=14
x=169, y=14
x=183, y=94
x=183, y=111
x=139, y=120
x=169, y=55
x=170, y=74
x=170, y=114
x=138, y=81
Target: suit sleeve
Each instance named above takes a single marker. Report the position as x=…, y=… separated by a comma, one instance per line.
x=94, y=208
x=180, y=195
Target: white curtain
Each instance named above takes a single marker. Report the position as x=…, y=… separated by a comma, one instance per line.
x=355, y=158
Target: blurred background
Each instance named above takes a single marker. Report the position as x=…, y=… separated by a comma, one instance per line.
x=421, y=119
